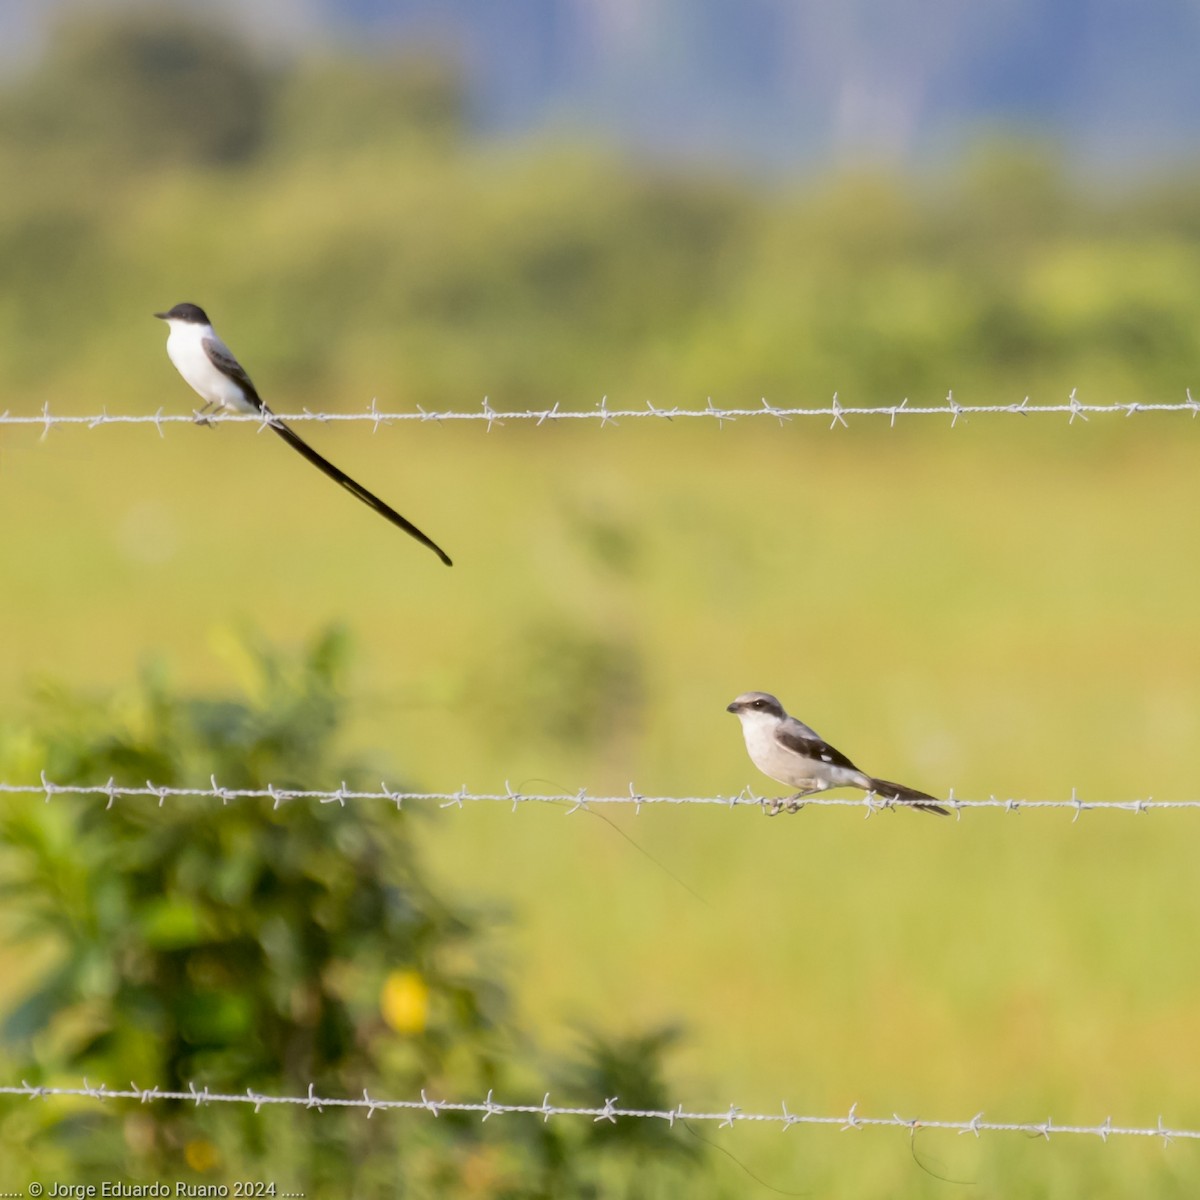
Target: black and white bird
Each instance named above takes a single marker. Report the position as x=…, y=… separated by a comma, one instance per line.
x=791, y=753
x=210, y=369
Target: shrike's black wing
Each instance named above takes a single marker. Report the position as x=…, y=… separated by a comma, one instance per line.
x=812, y=747
x=799, y=740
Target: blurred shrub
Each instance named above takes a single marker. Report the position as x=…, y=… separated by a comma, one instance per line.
x=250, y=945
x=142, y=86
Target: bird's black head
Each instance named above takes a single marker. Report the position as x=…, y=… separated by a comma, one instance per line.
x=756, y=702
x=192, y=313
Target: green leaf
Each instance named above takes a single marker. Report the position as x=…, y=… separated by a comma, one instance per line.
x=170, y=924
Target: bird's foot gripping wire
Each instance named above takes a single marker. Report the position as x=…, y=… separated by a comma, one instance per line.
x=793, y=804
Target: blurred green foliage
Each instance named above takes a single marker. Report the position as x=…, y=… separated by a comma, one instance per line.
x=248, y=945
x=148, y=157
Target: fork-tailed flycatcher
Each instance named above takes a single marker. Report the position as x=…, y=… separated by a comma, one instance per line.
x=209, y=368
x=789, y=752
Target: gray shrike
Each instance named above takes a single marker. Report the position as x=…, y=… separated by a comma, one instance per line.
x=788, y=751
x=209, y=368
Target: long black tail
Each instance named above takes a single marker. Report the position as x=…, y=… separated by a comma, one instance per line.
x=298, y=444
x=886, y=790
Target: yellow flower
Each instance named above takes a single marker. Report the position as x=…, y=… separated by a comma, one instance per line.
x=200, y=1155
x=404, y=1001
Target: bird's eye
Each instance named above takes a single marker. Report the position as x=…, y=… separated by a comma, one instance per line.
x=760, y=704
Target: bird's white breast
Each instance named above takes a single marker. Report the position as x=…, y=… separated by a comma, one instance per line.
x=185, y=348
x=772, y=759
x=760, y=740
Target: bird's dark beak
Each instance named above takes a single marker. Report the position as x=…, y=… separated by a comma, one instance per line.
x=732, y=707
x=161, y=316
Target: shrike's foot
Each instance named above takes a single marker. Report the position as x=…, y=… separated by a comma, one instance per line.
x=793, y=804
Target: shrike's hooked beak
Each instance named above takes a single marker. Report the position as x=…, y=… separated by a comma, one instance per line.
x=732, y=707
x=163, y=316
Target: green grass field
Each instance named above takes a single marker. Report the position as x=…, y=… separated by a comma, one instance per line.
x=1004, y=608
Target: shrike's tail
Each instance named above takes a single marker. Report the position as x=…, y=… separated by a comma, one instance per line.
x=886, y=790
x=298, y=444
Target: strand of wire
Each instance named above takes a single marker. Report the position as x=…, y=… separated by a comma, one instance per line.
x=870, y=804
x=611, y=1111
x=837, y=413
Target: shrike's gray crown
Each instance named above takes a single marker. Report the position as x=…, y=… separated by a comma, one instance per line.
x=762, y=702
x=192, y=313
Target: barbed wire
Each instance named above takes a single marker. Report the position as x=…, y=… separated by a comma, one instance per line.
x=1073, y=408
x=112, y=791
x=610, y=1111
